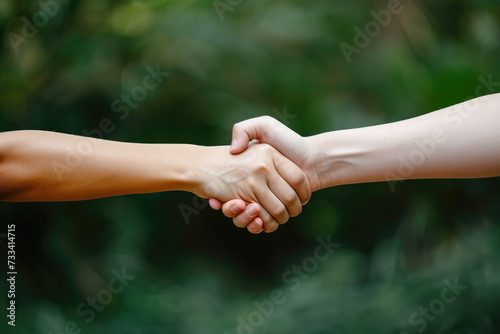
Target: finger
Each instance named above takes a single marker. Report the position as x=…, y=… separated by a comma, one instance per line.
x=287, y=196
x=295, y=177
x=272, y=206
x=233, y=208
x=215, y=203
x=266, y=130
x=269, y=224
x=243, y=132
x=256, y=226
x=246, y=217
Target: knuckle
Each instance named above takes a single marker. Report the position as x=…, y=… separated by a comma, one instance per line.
x=281, y=214
x=238, y=222
x=290, y=197
x=271, y=226
x=280, y=210
x=308, y=198
x=284, y=220
x=260, y=167
x=227, y=212
x=296, y=211
x=237, y=127
x=269, y=120
x=298, y=177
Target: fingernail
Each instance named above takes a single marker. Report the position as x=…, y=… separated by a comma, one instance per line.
x=235, y=209
x=252, y=211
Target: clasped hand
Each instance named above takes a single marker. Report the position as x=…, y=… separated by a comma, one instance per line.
x=261, y=175
x=262, y=188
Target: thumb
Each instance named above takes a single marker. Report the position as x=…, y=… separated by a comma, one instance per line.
x=243, y=132
x=240, y=139
x=215, y=203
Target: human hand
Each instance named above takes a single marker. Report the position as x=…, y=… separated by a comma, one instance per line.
x=259, y=175
x=243, y=215
x=267, y=130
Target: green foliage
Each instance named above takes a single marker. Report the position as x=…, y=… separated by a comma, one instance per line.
x=397, y=248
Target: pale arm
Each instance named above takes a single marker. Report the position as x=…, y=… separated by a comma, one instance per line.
x=462, y=141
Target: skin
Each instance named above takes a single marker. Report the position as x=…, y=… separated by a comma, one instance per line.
x=49, y=166
x=461, y=141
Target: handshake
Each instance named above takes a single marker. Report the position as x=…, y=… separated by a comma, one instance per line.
x=267, y=174
x=272, y=177
x=284, y=168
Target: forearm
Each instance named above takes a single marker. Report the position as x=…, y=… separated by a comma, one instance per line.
x=48, y=166
x=462, y=141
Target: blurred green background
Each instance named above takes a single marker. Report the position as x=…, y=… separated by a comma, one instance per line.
x=399, y=246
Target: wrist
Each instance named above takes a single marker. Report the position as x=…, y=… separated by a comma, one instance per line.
x=314, y=164
x=203, y=173
x=181, y=171
x=341, y=157
x=324, y=160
